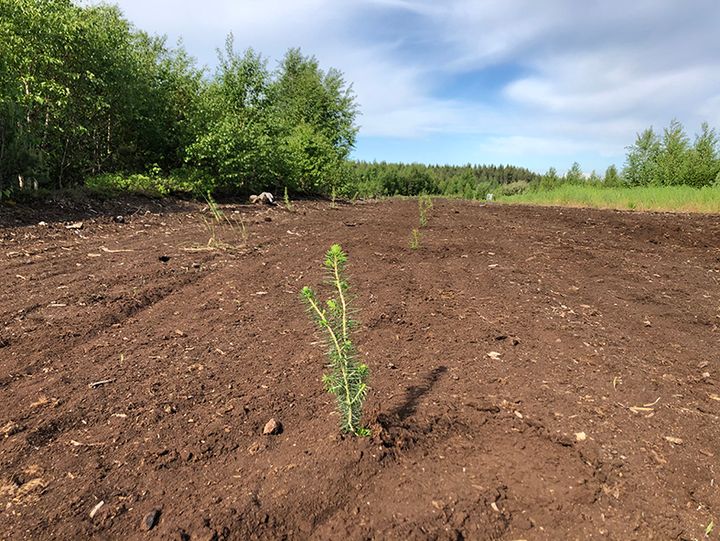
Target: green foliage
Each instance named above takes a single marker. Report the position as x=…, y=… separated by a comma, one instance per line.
x=594, y=178
x=425, y=204
x=574, y=175
x=612, y=177
x=703, y=167
x=84, y=93
x=217, y=214
x=286, y=200
x=347, y=376
x=641, y=162
x=290, y=128
x=549, y=180
x=380, y=179
x=672, y=160
x=314, y=113
x=184, y=182
x=513, y=188
x=415, y=237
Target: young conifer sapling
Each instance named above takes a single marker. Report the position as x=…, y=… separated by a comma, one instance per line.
x=347, y=377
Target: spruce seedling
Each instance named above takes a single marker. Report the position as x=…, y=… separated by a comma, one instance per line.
x=424, y=205
x=415, y=239
x=286, y=200
x=347, y=376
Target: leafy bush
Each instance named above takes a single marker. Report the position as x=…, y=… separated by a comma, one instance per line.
x=186, y=182
x=514, y=188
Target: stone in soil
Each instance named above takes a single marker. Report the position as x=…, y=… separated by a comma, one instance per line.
x=150, y=520
x=272, y=427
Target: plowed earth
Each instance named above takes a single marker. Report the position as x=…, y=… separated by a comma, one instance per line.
x=536, y=373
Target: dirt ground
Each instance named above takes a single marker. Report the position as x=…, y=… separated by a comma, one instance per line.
x=536, y=373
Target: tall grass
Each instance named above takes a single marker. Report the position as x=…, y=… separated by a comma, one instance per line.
x=662, y=198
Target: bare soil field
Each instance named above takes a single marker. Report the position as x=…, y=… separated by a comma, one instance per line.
x=536, y=373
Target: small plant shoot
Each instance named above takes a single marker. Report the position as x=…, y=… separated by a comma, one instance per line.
x=425, y=204
x=286, y=200
x=347, y=376
x=415, y=239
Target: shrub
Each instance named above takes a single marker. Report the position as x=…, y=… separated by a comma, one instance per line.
x=514, y=188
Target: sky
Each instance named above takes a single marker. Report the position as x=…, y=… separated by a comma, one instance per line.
x=536, y=84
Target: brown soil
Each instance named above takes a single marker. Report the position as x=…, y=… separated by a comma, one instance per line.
x=537, y=373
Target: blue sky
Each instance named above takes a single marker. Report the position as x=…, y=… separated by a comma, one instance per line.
x=531, y=83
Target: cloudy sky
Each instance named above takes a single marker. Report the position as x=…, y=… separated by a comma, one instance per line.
x=528, y=82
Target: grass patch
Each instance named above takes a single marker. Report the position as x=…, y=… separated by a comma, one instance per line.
x=648, y=198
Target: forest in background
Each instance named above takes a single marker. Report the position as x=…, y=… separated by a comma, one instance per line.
x=86, y=99
x=84, y=94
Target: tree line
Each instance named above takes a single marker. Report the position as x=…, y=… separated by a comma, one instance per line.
x=85, y=94
x=654, y=159
x=466, y=181
x=86, y=98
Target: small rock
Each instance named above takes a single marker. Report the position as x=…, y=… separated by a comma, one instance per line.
x=74, y=225
x=119, y=219
x=647, y=323
x=42, y=223
x=391, y=366
x=494, y=355
x=673, y=439
x=164, y=258
x=268, y=219
x=580, y=436
x=150, y=520
x=272, y=427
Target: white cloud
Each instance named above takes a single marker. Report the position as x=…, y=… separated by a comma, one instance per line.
x=592, y=74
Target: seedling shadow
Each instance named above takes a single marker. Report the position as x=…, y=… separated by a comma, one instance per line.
x=394, y=431
x=415, y=393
